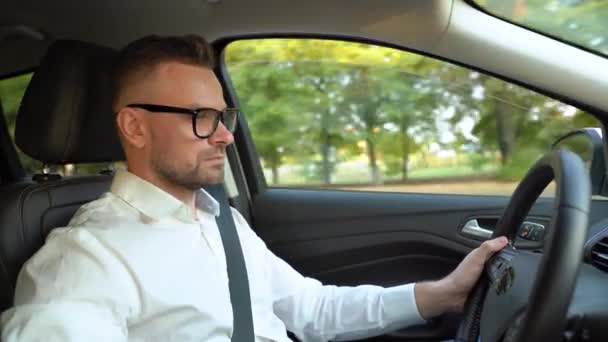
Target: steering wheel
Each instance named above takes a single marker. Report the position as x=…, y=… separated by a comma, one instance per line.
x=523, y=295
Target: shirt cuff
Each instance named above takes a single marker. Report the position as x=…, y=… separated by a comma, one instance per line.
x=400, y=306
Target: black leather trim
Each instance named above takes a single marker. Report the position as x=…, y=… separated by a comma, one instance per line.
x=29, y=211
x=66, y=114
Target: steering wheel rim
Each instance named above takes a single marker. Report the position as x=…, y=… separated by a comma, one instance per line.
x=551, y=292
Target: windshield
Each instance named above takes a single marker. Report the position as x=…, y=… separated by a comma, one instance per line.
x=580, y=22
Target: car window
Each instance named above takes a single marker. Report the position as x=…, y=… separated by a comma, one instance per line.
x=344, y=115
x=11, y=93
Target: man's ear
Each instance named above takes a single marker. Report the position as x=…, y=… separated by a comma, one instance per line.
x=131, y=127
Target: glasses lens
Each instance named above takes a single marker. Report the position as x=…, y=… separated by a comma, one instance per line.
x=231, y=118
x=206, y=122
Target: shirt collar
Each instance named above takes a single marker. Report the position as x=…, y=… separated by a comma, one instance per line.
x=154, y=202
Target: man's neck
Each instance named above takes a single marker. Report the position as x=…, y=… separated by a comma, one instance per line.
x=184, y=195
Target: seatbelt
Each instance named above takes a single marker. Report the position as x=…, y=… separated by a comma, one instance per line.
x=238, y=281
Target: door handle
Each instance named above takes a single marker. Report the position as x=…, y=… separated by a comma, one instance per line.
x=473, y=229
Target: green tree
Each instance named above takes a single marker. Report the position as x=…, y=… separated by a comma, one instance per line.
x=412, y=109
x=315, y=103
x=263, y=94
x=288, y=98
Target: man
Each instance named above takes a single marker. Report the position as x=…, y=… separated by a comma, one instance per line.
x=145, y=262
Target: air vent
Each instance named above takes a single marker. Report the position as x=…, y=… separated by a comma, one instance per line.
x=599, y=254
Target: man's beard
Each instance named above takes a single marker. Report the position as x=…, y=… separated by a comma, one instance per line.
x=192, y=179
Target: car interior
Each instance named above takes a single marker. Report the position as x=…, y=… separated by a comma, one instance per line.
x=336, y=235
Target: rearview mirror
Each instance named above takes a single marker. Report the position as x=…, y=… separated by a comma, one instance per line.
x=588, y=143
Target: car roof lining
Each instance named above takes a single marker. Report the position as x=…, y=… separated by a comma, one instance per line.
x=450, y=29
x=114, y=23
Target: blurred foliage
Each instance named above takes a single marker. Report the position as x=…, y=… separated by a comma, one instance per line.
x=319, y=107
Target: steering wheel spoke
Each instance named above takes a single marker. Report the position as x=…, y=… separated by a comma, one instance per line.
x=510, y=276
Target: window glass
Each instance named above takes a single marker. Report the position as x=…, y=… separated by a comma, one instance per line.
x=343, y=115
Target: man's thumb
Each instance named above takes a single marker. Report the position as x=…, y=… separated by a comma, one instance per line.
x=489, y=247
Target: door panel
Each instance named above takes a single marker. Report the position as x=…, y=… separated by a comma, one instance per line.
x=292, y=221
x=352, y=238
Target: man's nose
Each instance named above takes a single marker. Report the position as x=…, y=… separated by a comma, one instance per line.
x=221, y=135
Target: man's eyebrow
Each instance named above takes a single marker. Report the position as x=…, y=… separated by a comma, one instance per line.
x=198, y=106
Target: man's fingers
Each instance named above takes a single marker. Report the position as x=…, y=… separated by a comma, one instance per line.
x=489, y=247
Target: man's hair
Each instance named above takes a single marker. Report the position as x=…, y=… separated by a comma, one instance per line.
x=142, y=55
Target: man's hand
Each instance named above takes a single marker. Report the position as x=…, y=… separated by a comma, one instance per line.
x=450, y=293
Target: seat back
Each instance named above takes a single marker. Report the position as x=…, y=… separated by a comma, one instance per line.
x=65, y=117
x=29, y=211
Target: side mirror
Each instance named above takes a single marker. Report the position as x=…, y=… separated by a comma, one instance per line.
x=588, y=143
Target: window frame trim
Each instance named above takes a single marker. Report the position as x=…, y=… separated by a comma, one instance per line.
x=480, y=8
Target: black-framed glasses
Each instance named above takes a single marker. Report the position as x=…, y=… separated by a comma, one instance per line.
x=204, y=120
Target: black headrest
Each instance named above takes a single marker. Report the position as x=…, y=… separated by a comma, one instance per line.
x=66, y=114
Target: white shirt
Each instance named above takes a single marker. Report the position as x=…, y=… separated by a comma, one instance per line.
x=135, y=265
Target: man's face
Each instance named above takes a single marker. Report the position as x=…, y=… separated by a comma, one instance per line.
x=175, y=154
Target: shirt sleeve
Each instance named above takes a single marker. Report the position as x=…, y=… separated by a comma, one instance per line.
x=72, y=289
x=317, y=312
